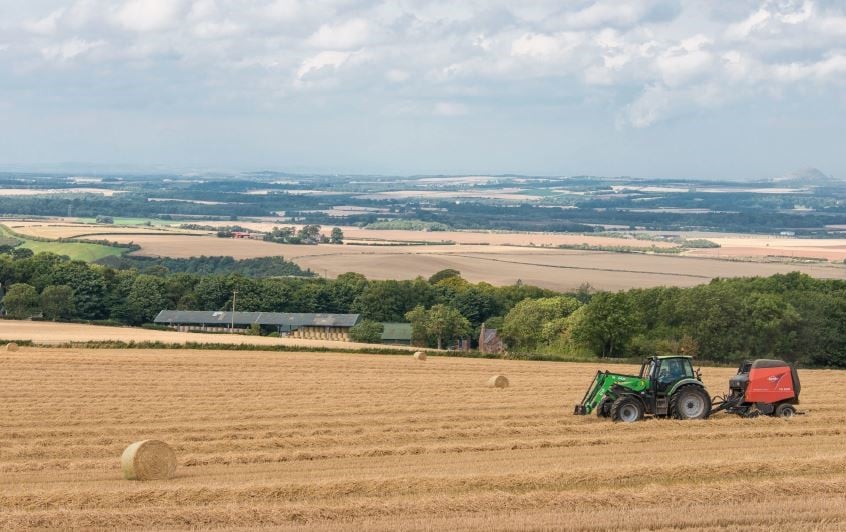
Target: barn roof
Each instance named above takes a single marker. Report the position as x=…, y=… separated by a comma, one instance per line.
x=200, y=317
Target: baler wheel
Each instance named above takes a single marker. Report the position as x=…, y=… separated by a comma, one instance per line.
x=627, y=410
x=785, y=411
x=690, y=402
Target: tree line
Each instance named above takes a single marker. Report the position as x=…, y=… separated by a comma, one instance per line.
x=792, y=316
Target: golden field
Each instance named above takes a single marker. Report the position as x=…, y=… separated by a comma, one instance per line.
x=51, y=333
x=367, y=442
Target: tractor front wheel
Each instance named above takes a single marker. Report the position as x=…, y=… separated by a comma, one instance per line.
x=627, y=409
x=604, y=408
x=690, y=402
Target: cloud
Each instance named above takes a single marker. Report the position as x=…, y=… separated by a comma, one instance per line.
x=320, y=64
x=650, y=60
x=449, y=109
x=70, y=49
x=348, y=34
x=46, y=25
x=149, y=15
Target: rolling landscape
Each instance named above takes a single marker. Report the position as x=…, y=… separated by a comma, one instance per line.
x=385, y=265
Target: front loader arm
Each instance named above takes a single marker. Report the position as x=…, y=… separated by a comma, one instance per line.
x=593, y=392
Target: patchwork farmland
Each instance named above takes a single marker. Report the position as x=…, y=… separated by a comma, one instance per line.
x=333, y=441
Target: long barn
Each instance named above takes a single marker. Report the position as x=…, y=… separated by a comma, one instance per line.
x=295, y=325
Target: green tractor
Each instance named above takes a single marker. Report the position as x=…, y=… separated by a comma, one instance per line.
x=667, y=386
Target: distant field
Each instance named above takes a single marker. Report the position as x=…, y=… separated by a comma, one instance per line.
x=74, y=250
x=57, y=191
x=487, y=256
x=59, y=333
x=71, y=230
x=758, y=246
x=295, y=441
x=549, y=268
x=497, y=194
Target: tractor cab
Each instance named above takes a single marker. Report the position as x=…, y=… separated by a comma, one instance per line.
x=664, y=371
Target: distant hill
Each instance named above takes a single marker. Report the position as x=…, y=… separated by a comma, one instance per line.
x=807, y=176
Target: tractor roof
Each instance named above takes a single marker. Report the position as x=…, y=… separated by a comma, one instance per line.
x=664, y=357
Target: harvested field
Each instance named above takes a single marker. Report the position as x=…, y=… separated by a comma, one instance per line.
x=57, y=191
x=499, y=265
x=827, y=249
x=328, y=441
x=474, y=237
x=490, y=257
x=48, y=333
x=61, y=229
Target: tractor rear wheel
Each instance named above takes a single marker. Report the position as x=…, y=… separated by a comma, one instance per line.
x=690, y=402
x=626, y=409
x=785, y=410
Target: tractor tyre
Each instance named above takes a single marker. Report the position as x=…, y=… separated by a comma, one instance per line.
x=604, y=408
x=626, y=409
x=690, y=402
x=785, y=411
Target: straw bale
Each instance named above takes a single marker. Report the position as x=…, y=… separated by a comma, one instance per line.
x=148, y=460
x=420, y=355
x=11, y=346
x=498, y=381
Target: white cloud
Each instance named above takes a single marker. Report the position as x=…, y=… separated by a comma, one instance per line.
x=686, y=62
x=321, y=63
x=70, y=49
x=449, y=109
x=149, y=15
x=346, y=35
x=396, y=75
x=535, y=45
x=46, y=25
x=651, y=59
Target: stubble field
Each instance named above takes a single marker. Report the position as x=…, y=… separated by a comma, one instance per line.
x=330, y=441
x=496, y=258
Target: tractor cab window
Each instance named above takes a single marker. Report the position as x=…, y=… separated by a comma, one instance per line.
x=674, y=369
x=647, y=369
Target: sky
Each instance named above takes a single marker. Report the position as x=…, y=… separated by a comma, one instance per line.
x=709, y=89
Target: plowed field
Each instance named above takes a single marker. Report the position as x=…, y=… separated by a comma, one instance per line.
x=330, y=441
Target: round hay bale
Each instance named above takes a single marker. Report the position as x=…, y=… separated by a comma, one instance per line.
x=148, y=460
x=11, y=346
x=420, y=355
x=498, y=381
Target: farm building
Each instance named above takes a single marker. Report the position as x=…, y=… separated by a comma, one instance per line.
x=295, y=325
x=490, y=341
x=396, y=333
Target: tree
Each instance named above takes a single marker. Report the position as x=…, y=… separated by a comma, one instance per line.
x=147, y=297
x=309, y=234
x=526, y=325
x=608, y=323
x=446, y=324
x=444, y=274
x=337, y=236
x=21, y=301
x=440, y=324
x=367, y=331
x=89, y=287
x=57, y=302
x=419, y=331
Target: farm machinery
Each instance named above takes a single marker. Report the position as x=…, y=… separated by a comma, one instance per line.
x=668, y=386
